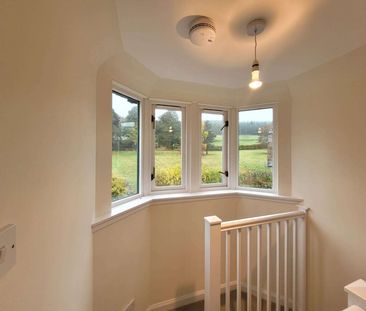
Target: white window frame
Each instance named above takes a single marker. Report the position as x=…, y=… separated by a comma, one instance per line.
x=124, y=91
x=174, y=107
x=225, y=150
x=274, y=188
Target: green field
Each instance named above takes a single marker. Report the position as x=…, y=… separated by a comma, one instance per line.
x=253, y=168
x=124, y=162
x=243, y=140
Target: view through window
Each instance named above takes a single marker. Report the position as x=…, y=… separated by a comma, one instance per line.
x=168, y=160
x=125, y=146
x=213, y=164
x=255, y=148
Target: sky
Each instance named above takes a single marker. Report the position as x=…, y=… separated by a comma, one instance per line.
x=121, y=106
x=258, y=115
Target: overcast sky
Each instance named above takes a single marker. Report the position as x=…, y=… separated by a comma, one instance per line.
x=121, y=106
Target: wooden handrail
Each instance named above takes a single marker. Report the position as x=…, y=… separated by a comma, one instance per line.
x=260, y=220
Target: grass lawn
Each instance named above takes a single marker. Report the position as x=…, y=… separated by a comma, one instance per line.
x=243, y=140
x=124, y=162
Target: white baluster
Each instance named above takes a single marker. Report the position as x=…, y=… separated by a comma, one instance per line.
x=294, y=263
x=238, y=270
x=277, y=266
x=301, y=264
x=227, y=272
x=285, y=266
x=268, y=267
x=249, y=291
x=259, y=245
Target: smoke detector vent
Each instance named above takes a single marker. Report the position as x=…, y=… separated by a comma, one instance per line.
x=202, y=31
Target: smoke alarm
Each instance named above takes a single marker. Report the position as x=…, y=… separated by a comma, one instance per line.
x=202, y=31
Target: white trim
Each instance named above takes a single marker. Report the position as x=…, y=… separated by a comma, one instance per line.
x=184, y=300
x=127, y=91
x=163, y=101
x=213, y=106
x=124, y=210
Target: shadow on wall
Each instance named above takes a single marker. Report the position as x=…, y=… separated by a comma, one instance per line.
x=182, y=292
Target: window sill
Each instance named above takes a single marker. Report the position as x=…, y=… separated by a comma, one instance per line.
x=128, y=208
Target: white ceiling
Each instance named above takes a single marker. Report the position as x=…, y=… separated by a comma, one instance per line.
x=300, y=35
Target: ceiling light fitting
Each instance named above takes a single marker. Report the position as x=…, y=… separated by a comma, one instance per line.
x=202, y=31
x=254, y=28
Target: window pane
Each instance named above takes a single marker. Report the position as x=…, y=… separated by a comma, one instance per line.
x=168, y=147
x=255, y=148
x=212, y=137
x=125, y=146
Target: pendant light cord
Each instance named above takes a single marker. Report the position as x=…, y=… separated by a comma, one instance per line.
x=255, y=45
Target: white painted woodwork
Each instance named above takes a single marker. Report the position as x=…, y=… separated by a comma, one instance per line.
x=238, y=269
x=259, y=284
x=297, y=260
x=227, y=271
x=268, y=298
x=301, y=263
x=285, y=267
x=278, y=266
x=294, y=263
x=212, y=263
x=261, y=220
x=249, y=288
x=356, y=292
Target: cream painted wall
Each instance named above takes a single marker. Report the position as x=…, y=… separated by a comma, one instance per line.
x=329, y=172
x=122, y=263
x=49, y=56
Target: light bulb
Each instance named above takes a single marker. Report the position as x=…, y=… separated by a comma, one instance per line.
x=256, y=82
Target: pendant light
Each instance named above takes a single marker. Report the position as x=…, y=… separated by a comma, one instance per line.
x=254, y=28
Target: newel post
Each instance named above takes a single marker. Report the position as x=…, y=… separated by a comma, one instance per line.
x=212, y=263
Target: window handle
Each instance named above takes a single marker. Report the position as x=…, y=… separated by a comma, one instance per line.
x=226, y=173
x=225, y=125
x=153, y=174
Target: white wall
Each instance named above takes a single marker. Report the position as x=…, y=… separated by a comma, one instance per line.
x=329, y=172
x=122, y=263
x=49, y=56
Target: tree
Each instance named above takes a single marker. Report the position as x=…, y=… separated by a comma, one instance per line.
x=263, y=133
x=116, y=130
x=129, y=129
x=208, y=135
x=168, y=131
x=125, y=130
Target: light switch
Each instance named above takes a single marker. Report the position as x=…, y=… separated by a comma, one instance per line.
x=7, y=248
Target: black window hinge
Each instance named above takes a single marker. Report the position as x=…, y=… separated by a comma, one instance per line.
x=226, y=173
x=153, y=121
x=153, y=174
x=225, y=125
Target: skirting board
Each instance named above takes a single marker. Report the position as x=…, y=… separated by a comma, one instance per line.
x=199, y=295
x=184, y=300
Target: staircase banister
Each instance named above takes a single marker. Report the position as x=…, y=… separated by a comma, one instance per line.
x=260, y=220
